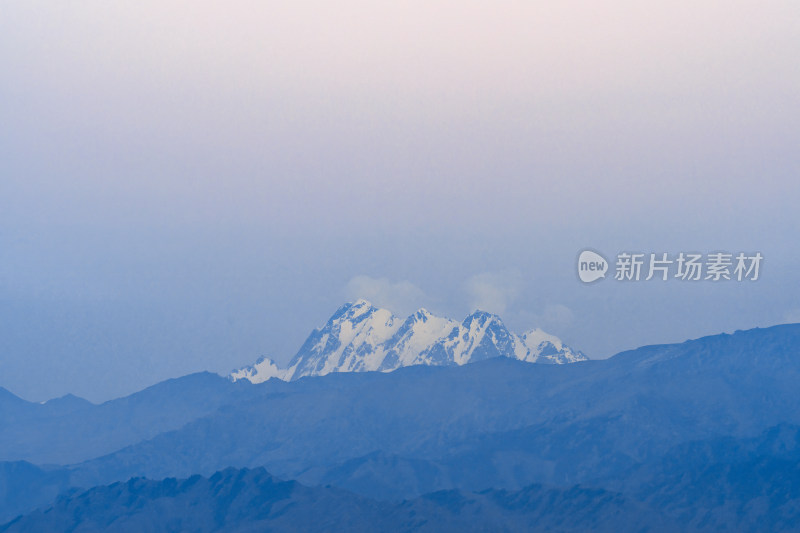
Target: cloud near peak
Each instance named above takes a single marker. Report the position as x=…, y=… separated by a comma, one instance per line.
x=400, y=297
x=494, y=292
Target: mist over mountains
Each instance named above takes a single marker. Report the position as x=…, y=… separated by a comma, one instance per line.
x=698, y=436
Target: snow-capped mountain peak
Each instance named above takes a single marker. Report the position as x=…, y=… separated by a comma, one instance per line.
x=361, y=337
x=263, y=369
x=550, y=348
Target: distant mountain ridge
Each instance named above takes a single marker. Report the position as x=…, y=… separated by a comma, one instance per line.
x=249, y=500
x=360, y=337
x=706, y=432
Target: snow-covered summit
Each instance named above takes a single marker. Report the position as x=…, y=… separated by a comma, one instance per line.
x=360, y=337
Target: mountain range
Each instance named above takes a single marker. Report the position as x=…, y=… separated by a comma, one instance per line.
x=239, y=500
x=702, y=435
x=360, y=337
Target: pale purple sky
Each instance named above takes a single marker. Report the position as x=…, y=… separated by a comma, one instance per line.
x=191, y=185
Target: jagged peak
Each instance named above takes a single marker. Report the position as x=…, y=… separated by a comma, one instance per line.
x=421, y=314
x=353, y=310
x=481, y=317
x=362, y=337
x=538, y=336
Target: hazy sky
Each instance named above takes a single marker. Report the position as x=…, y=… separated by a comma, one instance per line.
x=187, y=186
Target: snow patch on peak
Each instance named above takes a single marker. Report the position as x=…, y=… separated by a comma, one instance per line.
x=481, y=317
x=352, y=310
x=536, y=336
x=421, y=314
x=549, y=348
x=261, y=371
x=361, y=306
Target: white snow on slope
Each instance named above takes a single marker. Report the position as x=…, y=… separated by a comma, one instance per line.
x=360, y=337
